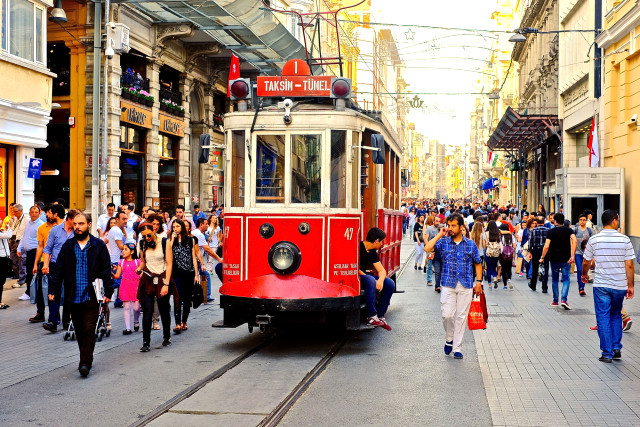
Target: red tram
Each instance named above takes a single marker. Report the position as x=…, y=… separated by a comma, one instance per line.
x=306, y=178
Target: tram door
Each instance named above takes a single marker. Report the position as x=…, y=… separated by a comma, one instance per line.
x=368, y=184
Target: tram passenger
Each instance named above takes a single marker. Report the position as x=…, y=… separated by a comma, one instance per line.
x=373, y=277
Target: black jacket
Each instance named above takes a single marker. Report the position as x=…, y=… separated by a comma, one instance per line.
x=99, y=267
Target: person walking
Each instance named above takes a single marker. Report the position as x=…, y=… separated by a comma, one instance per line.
x=428, y=234
x=57, y=237
x=413, y=217
x=493, y=249
x=419, y=241
x=460, y=257
x=17, y=223
x=156, y=266
x=613, y=254
x=506, y=255
x=82, y=260
x=129, y=287
x=560, y=245
x=116, y=239
x=185, y=265
x=28, y=246
x=5, y=260
x=537, y=240
x=582, y=232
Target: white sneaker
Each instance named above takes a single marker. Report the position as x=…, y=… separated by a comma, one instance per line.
x=24, y=297
x=509, y=284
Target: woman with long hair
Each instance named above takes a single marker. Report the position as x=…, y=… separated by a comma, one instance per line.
x=506, y=263
x=532, y=223
x=429, y=233
x=413, y=217
x=492, y=253
x=110, y=224
x=185, y=266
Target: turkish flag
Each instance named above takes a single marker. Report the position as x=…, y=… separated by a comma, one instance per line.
x=234, y=72
x=594, y=146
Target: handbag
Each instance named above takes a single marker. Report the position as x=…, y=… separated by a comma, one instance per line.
x=526, y=255
x=197, y=296
x=475, y=319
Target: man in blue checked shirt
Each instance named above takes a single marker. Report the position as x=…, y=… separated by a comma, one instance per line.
x=81, y=261
x=460, y=257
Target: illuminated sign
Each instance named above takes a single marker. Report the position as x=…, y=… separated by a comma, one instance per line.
x=171, y=126
x=294, y=86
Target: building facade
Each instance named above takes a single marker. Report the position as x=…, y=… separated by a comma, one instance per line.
x=25, y=97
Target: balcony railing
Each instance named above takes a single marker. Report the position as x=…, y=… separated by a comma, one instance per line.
x=168, y=95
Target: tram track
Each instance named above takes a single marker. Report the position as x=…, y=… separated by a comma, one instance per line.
x=278, y=413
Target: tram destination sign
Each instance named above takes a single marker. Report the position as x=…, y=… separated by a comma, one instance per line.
x=294, y=86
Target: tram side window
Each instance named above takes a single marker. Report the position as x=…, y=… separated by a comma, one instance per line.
x=355, y=173
x=237, y=168
x=270, y=169
x=338, y=183
x=306, y=159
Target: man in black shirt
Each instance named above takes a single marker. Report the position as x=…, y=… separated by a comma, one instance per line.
x=560, y=246
x=373, y=277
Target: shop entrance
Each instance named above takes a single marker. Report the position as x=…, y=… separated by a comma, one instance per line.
x=7, y=183
x=54, y=178
x=132, y=178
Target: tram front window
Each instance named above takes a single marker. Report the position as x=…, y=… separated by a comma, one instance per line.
x=306, y=160
x=270, y=169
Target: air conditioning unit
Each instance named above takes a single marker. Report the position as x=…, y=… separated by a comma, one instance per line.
x=119, y=33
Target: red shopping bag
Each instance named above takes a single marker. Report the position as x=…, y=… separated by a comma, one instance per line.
x=476, y=317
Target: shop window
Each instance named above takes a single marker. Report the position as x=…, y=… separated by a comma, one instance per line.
x=132, y=177
x=270, y=169
x=134, y=71
x=59, y=62
x=131, y=139
x=237, y=167
x=338, y=182
x=167, y=147
x=23, y=29
x=306, y=168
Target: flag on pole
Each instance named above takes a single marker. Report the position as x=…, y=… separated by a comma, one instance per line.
x=234, y=72
x=594, y=147
x=493, y=159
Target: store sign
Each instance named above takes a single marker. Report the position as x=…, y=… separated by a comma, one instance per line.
x=35, y=166
x=294, y=86
x=135, y=115
x=171, y=126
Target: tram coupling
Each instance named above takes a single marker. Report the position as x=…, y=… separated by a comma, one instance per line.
x=264, y=321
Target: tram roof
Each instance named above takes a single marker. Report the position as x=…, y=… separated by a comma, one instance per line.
x=515, y=129
x=244, y=27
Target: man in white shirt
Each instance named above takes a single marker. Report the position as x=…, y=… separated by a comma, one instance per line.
x=132, y=218
x=205, y=249
x=614, y=255
x=103, y=220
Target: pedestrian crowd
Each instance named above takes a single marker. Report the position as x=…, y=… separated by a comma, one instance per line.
x=463, y=246
x=148, y=261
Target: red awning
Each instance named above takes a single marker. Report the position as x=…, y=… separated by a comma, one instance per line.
x=515, y=129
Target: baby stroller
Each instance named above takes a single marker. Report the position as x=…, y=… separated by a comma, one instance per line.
x=101, y=326
x=70, y=333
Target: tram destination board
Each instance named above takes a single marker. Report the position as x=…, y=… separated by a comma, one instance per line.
x=294, y=86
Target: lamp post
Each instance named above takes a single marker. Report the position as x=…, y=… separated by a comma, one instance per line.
x=95, y=137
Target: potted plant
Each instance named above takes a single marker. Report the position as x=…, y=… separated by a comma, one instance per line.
x=125, y=93
x=147, y=98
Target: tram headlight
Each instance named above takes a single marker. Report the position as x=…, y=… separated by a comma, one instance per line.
x=284, y=258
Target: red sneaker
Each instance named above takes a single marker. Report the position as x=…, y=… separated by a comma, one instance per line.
x=385, y=325
x=626, y=325
x=594, y=328
x=374, y=321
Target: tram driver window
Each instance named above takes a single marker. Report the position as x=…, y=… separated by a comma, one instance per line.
x=338, y=184
x=306, y=159
x=270, y=169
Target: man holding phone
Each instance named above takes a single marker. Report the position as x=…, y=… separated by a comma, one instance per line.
x=459, y=257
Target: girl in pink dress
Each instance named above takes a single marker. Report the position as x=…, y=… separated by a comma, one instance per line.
x=129, y=287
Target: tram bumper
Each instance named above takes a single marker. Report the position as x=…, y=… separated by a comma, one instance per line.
x=277, y=294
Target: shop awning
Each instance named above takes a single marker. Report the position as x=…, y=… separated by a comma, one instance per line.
x=490, y=184
x=245, y=27
x=516, y=129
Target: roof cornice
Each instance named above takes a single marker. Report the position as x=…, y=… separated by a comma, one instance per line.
x=622, y=28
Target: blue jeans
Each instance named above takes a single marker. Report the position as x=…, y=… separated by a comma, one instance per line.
x=368, y=283
x=608, y=307
x=429, y=270
x=492, y=267
x=579, y=261
x=556, y=268
x=437, y=271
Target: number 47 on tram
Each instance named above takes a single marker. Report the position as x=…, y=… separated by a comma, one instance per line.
x=307, y=175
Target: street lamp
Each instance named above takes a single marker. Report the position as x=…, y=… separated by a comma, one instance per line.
x=518, y=37
x=57, y=13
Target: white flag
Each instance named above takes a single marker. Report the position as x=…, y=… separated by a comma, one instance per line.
x=594, y=147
